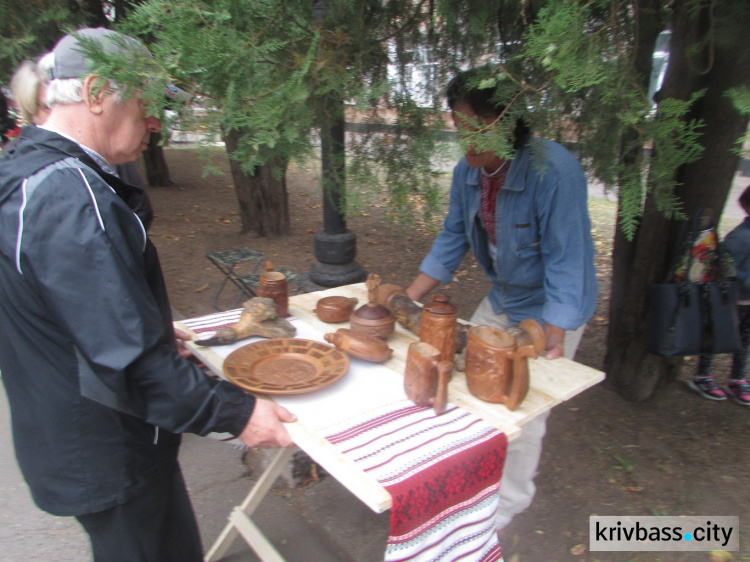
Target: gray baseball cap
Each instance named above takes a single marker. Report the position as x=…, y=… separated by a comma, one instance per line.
x=70, y=54
x=71, y=62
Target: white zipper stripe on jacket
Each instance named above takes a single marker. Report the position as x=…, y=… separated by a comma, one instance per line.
x=20, y=226
x=143, y=231
x=93, y=199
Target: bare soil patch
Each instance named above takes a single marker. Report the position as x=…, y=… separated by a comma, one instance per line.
x=677, y=454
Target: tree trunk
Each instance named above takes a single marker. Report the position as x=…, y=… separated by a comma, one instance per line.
x=261, y=195
x=157, y=172
x=631, y=370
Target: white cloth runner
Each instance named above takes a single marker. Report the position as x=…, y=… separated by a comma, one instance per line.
x=443, y=472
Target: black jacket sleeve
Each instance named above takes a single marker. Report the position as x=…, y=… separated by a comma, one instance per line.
x=85, y=252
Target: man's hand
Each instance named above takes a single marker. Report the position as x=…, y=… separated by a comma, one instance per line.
x=422, y=285
x=265, y=428
x=181, y=338
x=555, y=341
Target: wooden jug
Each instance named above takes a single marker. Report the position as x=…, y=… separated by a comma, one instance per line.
x=497, y=369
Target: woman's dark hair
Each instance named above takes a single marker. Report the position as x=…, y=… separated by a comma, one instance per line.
x=6, y=121
x=745, y=200
x=463, y=88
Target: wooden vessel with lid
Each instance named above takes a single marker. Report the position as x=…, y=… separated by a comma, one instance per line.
x=373, y=318
x=335, y=309
x=438, y=326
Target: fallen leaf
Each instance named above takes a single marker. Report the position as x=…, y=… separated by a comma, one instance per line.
x=633, y=488
x=578, y=549
x=720, y=556
x=573, y=409
x=172, y=237
x=311, y=232
x=202, y=288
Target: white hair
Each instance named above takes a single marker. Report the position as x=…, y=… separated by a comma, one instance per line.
x=69, y=90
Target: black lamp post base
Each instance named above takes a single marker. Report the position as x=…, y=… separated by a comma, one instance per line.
x=336, y=275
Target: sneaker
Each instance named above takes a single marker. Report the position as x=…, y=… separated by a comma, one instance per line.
x=707, y=387
x=739, y=390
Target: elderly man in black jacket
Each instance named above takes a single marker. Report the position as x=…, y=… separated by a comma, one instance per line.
x=98, y=392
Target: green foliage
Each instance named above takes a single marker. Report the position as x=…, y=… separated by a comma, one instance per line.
x=29, y=28
x=675, y=141
x=569, y=45
x=399, y=159
x=270, y=72
x=740, y=98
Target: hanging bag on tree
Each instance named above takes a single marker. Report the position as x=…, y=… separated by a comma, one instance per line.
x=696, y=311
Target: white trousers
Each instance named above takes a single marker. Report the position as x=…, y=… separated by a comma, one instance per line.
x=517, y=487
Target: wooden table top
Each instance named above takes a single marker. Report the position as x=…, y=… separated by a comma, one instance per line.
x=551, y=383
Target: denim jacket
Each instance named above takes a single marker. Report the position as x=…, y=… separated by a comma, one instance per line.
x=737, y=243
x=544, y=265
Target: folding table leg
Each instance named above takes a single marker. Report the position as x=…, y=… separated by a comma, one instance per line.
x=239, y=519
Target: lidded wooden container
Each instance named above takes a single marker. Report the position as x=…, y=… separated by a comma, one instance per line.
x=335, y=309
x=438, y=326
x=373, y=318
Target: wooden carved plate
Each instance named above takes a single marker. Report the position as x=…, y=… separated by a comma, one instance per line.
x=285, y=366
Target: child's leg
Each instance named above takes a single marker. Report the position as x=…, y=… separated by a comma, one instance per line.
x=739, y=389
x=739, y=362
x=704, y=365
x=703, y=381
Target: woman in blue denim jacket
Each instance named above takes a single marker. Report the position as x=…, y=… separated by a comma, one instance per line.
x=737, y=244
x=527, y=223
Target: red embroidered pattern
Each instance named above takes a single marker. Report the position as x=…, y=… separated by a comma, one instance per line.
x=446, y=484
x=491, y=185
